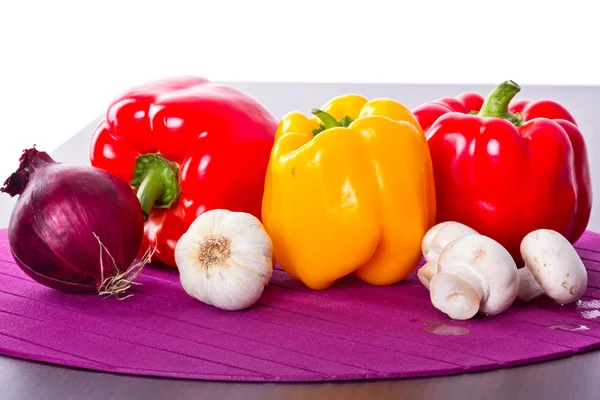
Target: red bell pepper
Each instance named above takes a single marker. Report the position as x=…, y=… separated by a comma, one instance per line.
x=186, y=146
x=426, y=114
x=508, y=169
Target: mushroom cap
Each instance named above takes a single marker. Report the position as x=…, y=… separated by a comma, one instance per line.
x=555, y=265
x=440, y=235
x=489, y=268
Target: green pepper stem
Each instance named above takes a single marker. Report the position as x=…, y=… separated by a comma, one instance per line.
x=156, y=181
x=326, y=118
x=496, y=104
x=150, y=190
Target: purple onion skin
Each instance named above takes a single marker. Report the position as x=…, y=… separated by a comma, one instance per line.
x=60, y=207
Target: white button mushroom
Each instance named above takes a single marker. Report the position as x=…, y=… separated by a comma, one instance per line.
x=475, y=274
x=552, y=266
x=434, y=241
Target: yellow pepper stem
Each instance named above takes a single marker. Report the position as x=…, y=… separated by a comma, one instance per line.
x=325, y=117
x=328, y=121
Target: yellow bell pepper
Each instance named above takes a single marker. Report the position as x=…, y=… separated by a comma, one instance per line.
x=349, y=190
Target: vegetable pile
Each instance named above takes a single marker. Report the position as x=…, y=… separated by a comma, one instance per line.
x=202, y=177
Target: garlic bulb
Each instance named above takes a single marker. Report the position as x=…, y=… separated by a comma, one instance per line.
x=225, y=259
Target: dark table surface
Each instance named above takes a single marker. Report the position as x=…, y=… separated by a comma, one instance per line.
x=572, y=378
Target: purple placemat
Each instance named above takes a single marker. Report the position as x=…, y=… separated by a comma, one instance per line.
x=350, y=331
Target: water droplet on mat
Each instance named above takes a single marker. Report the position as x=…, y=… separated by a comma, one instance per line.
x=569, y=327
x=441, y=328
x=590, y=314
x=588, y=304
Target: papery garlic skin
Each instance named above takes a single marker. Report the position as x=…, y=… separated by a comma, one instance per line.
x=225, y=259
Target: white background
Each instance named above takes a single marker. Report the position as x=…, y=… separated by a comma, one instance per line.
x=61, y=62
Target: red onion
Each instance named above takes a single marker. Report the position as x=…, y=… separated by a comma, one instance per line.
x=74, y=228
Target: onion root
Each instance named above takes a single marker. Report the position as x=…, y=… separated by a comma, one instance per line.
x=122, y=281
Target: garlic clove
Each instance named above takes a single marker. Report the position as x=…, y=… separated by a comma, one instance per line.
x=225, y=259
x=234, y=288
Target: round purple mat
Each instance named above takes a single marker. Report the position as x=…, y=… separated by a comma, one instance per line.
x=350, y=331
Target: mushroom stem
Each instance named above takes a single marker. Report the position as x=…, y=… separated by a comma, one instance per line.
x=529, y=289
x=427, y=272
x=458, y=295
